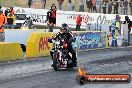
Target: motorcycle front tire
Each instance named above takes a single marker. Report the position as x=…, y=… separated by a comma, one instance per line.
x=55, y=62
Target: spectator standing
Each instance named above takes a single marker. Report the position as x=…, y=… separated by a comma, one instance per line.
x=125, y=7
x=2, y=18
x=34, y=3
x=7, y=11
x=12, y=11
x=104, y=7
x=121, y=7
x=30, y=2
x=94, y=5
x=70, y=5
x=51, y=18
x=98, y=3
x=130, y=5
x=115, y=27
x=116, y=6
x=81, y=5
x=129, y=23
x=110, y=7
x=60, y=2
x=43, y=4
x=78, y=23
x=10, y=21
x=89, y=5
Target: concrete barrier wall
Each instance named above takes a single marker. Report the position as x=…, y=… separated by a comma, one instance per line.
x=10, y=51
x=90, y=40
x=22, y=35
x=37, y=44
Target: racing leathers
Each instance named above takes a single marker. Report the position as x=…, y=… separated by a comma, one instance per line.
x=69, y=38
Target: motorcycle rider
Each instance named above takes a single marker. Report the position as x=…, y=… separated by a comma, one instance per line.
x=69, y=38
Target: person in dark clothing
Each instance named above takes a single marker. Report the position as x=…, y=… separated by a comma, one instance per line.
x=89, y=5
x=43, y=4
x=110, y=7
x=104, y=7
x=10, y=21
x=0, y=7
x=130, y=5
x=125, y=7
x=116, y=6
x=69, y=38
x=70, y=1
x=51, y=17
x=129, y=22
x=30, y=3
x=7, y=12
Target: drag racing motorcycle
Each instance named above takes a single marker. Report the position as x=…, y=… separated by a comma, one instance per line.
x=61, y=57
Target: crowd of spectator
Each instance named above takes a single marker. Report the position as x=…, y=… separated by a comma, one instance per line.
x=7, y=18
x=99, y=6
x=109, y=7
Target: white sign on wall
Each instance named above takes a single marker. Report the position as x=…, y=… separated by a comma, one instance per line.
x=94, y=20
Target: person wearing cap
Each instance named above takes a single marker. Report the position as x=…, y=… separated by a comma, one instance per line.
x=69, y=38
x=115, y=28
x=51, y=18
